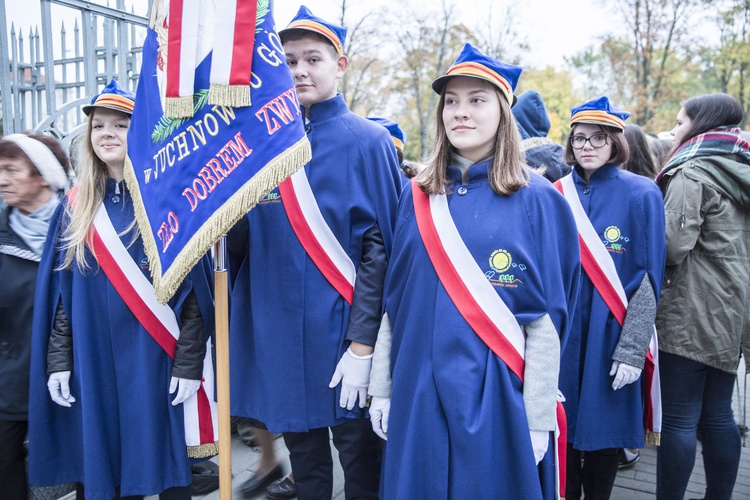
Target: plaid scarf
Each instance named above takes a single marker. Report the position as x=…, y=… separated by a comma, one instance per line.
x=718, y=141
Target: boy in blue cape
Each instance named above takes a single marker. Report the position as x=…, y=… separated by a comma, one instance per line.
x=301, y=346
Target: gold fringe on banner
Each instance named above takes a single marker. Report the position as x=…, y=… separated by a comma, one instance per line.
x=653, y=438
x=203, y=450
x=235, y=96
x=267, y=178
x=179, y=107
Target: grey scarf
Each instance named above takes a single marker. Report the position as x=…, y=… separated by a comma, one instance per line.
x=32, y=228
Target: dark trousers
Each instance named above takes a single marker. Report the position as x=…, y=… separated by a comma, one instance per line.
x=596, y=475
x=175, y=493
x=13, y=483
x=696, y=397
x=359, y=453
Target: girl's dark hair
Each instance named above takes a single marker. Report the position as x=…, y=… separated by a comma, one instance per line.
x=615, y=137
x=9, y=149
x=709, y=111
x=640, y=160
x=661, y=149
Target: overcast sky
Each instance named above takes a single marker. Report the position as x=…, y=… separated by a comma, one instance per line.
x=552, y=28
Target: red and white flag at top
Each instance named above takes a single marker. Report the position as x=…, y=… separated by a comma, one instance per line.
x=234, y=35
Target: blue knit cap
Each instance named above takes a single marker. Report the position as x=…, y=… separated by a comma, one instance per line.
x=398, y=135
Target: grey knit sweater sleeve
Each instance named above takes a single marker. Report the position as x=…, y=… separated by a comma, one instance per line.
x=638, y=326
x=380, y=370
x=540, y=374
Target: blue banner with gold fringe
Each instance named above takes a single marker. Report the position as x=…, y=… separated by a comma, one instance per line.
x=193, y=178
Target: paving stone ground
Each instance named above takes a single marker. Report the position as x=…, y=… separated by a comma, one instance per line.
x=635, y=483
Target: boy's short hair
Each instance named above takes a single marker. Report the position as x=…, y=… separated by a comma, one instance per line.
x=300, y=34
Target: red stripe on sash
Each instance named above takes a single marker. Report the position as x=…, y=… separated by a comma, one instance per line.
x=205, y=422
x=601, y=283
x=131, y=298
x=482, y=325
x=562, y=448
x=598, y=277
x=244, y=41
x=174, y=48
x=648, y=406
x=311, y=245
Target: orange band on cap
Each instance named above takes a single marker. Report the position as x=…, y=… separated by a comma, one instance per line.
x=597, y=117
x=478, y=70
x=114, y=101
x=306, y=24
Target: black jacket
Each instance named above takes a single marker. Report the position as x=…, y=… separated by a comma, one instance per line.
x=18, y=269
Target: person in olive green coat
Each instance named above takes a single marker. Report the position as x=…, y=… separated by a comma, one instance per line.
x=705, y=300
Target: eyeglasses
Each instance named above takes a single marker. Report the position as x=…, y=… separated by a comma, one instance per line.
x=597, y=141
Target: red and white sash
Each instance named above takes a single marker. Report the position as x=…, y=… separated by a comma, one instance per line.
x=201, y=423
x=600, y=268
x=315, y=236
x=476, y=299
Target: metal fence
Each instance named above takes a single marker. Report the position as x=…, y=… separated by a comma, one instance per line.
x=51, y=72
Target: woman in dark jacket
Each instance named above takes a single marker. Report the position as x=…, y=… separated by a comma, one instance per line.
x=706, y=294
x=33, y=171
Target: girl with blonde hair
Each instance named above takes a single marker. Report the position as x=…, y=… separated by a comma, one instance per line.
x=101, y=379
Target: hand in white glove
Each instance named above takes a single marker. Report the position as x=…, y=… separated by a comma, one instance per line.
x=58, y=385
x=624, y=374
x=187, y=387
x=354, y=374
x=380, y=410
x=540, y=443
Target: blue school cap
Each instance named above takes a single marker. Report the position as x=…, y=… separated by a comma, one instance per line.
x=112, y=97
x=305, y=20
x=599, y=112
x=471, y=62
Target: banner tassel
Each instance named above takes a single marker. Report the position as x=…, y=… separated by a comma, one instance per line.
x=234, y=96
x=179, y=107
x=653, y=438
x=203, y=450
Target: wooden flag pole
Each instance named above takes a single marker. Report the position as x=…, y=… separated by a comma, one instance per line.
x=221, y=301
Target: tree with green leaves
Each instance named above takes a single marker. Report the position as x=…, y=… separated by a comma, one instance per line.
x=428, y=41
x=645, y=71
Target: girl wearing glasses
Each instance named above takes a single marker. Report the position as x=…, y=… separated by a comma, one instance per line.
x=620, y=220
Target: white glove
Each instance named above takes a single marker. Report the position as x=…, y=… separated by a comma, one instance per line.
x=354, y=374
x=187, y=386
x=380, y=410
x=58, y=385
x=540, y=443
x=624, y=374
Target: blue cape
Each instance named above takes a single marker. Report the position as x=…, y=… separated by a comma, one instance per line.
x=287, y=322
x=599, y=417
x=458, y=427
x=122, y=429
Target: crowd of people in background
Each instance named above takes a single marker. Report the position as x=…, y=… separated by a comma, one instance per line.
x=505, y=289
